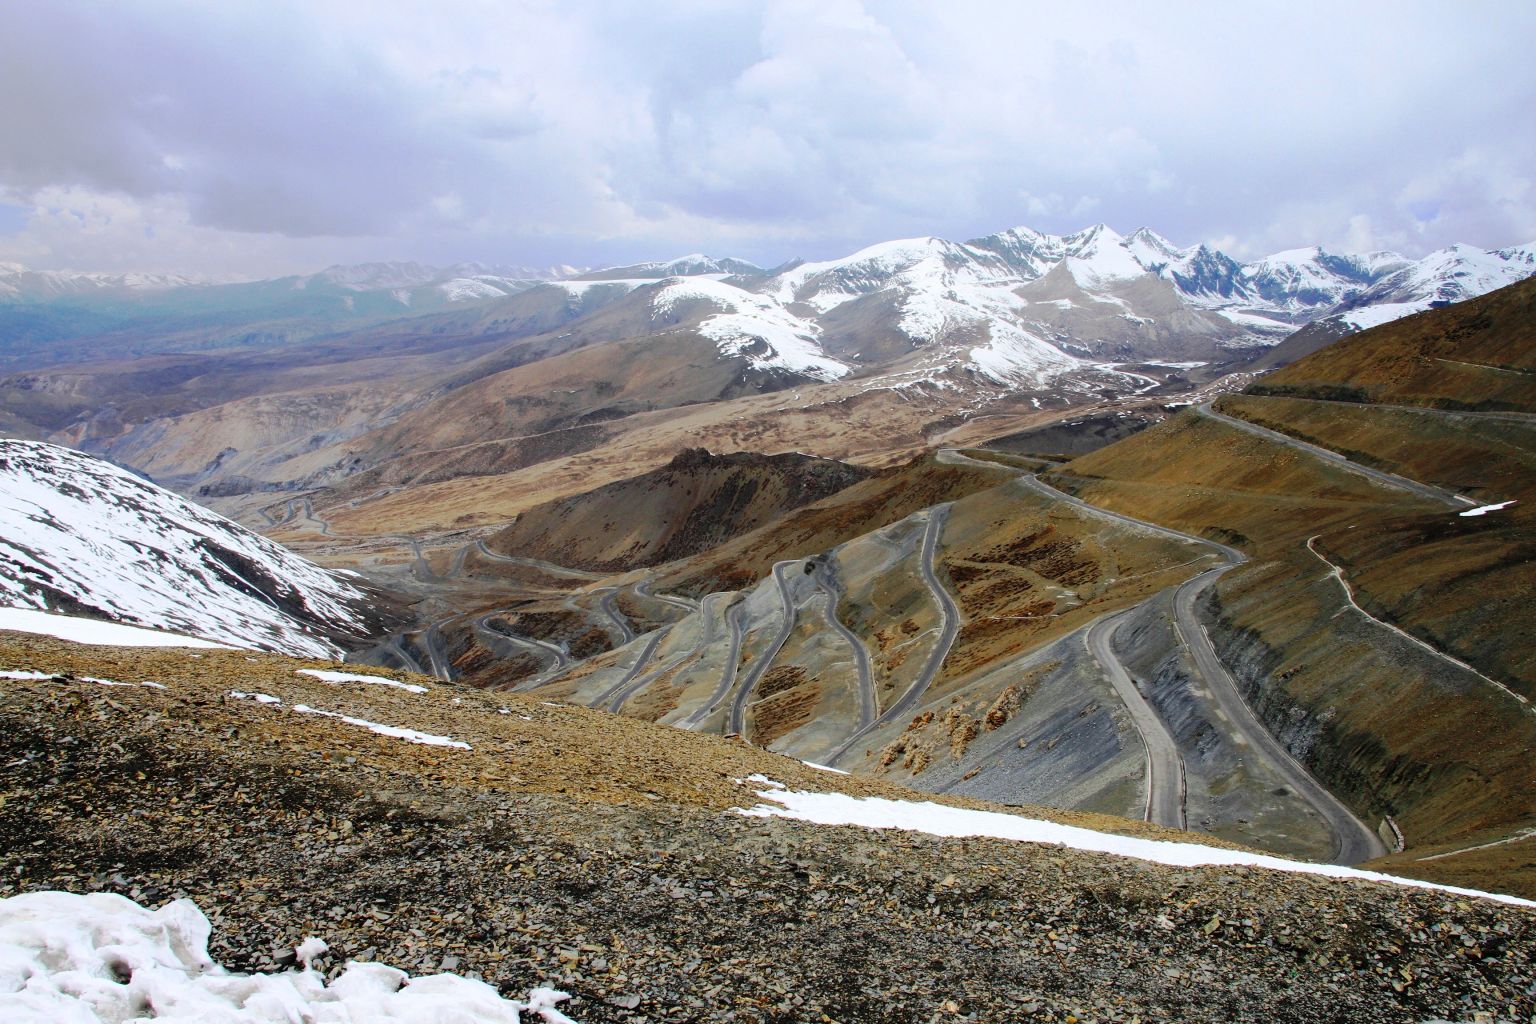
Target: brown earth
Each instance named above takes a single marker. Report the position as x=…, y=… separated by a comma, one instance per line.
x=696, y=502
x=1478, y=354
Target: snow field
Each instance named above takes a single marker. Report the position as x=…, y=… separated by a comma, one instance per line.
x=94, y=631
x=104, y=959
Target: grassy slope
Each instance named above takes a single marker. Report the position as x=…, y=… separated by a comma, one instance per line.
x=1388, y=725
x=1477, y=354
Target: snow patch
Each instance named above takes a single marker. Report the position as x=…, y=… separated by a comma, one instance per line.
x=1374, y=316
x=260, y=698
x=392, y=731
x=1483, y=510
x=326, y=676
x=755, y=327
x=940, y=820
x=103, y=959
x=94, y=631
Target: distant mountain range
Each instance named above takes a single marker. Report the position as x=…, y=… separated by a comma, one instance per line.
x=1017, y=307
x=384, y=376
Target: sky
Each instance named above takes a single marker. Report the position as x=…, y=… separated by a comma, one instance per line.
x=245, y=139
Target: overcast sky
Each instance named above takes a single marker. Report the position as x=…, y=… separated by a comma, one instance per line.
x=238, y=138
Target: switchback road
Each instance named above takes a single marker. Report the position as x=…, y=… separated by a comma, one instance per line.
x=1165, y=767
x=738, y=716
x=1355, y=841
x=950, y=628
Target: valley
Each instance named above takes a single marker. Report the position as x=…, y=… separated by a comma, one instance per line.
x=1266, y=609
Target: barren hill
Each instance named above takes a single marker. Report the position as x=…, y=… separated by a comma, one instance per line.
x=695, y=502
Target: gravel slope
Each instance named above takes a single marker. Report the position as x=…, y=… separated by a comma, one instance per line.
x=599, y=854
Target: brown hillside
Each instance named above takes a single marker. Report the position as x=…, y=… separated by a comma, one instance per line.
x=693, y=503
x=1478, y=354
x=1377, y=718
x=883, y=499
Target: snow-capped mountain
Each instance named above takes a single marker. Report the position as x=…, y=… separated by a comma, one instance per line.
x=82, y=536
x=956, y=301
x=19, y=284
x=1022, y=308
x=753, y=326
x=693, y=265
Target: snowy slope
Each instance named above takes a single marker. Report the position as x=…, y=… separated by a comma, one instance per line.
x=954, y=298
x=80, y=535
x=754, y=326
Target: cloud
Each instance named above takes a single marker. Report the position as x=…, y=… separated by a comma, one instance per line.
x=268, y=136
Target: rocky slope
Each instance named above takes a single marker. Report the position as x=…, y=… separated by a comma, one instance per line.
x=603, y=856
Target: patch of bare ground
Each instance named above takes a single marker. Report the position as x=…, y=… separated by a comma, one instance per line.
x=932, y=735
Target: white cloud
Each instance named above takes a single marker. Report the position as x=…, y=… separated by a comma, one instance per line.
x=261, y=136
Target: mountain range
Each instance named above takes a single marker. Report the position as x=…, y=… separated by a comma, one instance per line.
x=355, y=378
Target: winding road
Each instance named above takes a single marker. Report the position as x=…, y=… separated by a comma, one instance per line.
x=737, y=720
x=949, y=629
x=727, y=675
x=643, y=589
x=609, y=604
x=1165, y=787
x=634, y=670
x=1401, y=483
x=432, y=643
x=394, y=647
x=1337, y=572
x=482, y=625
x=834, y=594
x=1355, y=841
x=706, y=637
x=535, y=563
